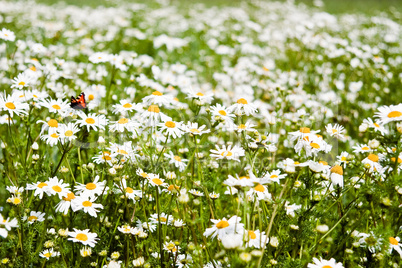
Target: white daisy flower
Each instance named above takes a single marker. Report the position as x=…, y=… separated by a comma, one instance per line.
x=84, y=237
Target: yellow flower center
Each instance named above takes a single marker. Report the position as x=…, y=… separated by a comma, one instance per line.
x=222, y=224
x=337, y=169
x=157, y=181
x=323, y=163
x=22, y=83
x=194, y=130
x=123, y=121
x=154, y=109
x=127, y=105
x=170, y=124
x=222, y=112
x=70, y=196
x=376, y=125
x=68, y=133
x=274, y=176
x=10, y=105
x=57, y=188
x=334, y=130
x=121, y=151
x=91, y=97
x=226, y=153
x=394, y=114
x=393, y=241
x=242, y=101
x=365, y=148
x=157, y=93
x=129, y=190
x=242, y=126
x=47, y=255
x=252, y=234
x=81, y=237
x=32, y=218
x=373, y=157
x=55, y=106
x=54, y=135
x=327, y=266
x=87, y=204
x=177, y=158
x=90, y=186
x=90, y=120
x=41, y=185
x=53, y=123
x=305, y=130
x=199, y=94
x=315, y=145
x=399, y=160
x=16, y=201
x=162, y=219
x=259, y=188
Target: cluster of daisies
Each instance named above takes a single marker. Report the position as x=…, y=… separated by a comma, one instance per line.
x=247, y=151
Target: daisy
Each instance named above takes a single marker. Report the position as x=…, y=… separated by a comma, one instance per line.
x=196, y=192
x=104, y=157
x=163, y=219
x=142, y=173
x=171, y=247
x=51, y=124
x=324, y=263
x=372, y=162
x=320, y=166
x=260, y=191
x=8, y=224
x=223, y=227
x=13, y=105
x=255, y=238
x=86, y=203
x=14, y=199
x=153, y=116
x=176, y=160
x=228, y=153
x=93, y=121
x=290, y=209
x=56, y=186
x=123, y=124
x=172, y=129
x=7, y=35
x=21, y=81
x=274, y=176
x=201, y=96
x=154, y=180
x=83, y=236
x=125, y=150
x=337, y=175
x=52, y=138
x=361, y=148
x=343, y=159
x=335, y=131
x=220, y=112
x=67, y=132
x=35, y=216
x=302, y=133
x=48, y=253
x=242, y=107
x=129, y=192
x=390, y=113
x=39, y=187
x=56, y=106
x=15, y=190
x=214, y=195
x=85, y=252
x=125, y=106
x=158, y=98
x=243, y=181
x=193, y=128
x=248, y=127
x=127, y=229
x=394, y=244
x=99, y=57
x=376, y=126
x=92, y=188
x=64, y=205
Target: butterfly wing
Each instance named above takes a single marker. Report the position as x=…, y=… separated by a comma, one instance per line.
x=79, y=102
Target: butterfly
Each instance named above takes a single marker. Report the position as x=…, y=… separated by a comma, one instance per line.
x=79, y=102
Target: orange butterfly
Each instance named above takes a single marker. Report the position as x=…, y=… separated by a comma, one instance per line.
x=79, y=102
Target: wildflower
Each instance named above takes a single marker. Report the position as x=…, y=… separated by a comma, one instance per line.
x=232, y=241
x=390, y=113
x=48, y=253
x=139, y=262
x=163, y=219
x=228, y=153
x=56, y=106
x=320, y=263
x=375, y=125
x=7, y=224
x=335, y=131
x=52, y=138
x=84, y=237
x=255, y=238
x=14, y=199
x=202, y=97
x=245, y=256
x=394, y=244
x=35, y=216
x=92, y=188
x=67, y=132
x=129, y=192
x=85, y=251
x=125, y=106
x=115, y=255
x=194, y=129
x=99, y=57
x=290, y=209
x=86, y=203
x=177, y=161
x=337, y=175
x=154, y=180
x=123, y=124
x=171, y=246
x=243, y=107
x=153, y=116
x=64, y=205
x=222, y=113
x=361, y=148
x=196, y=192
x=224, y=227
x=56, y=186
x=273, y=176
x=13, y=105
x=158, y=98
x=93, y=121
x=372, y=162
x=21, y=81
x=7, y=35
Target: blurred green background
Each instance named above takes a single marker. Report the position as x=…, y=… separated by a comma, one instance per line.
x=331, y=6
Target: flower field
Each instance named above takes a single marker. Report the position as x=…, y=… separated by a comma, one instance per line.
x=159, y=135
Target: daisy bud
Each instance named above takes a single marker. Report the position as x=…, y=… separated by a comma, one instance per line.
x=171, y=175
x=90, y=166
x=245, y=256
x=184, y=198
x=48, y=244
x=273, y=262
x=274, y=241
x=35, y=146
x=35, y=157
x=297, y=184
x=94, y=264
x=374, y=144
x=115, y=255
x=63, y=169
x=112, y=171
x=121, y=211
x=294, y=227
x=322, y=228
x=139, y=262
x=363, y=127
x=103, y=253
x=101, y=139
x=349, y=251
x=399, y=127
